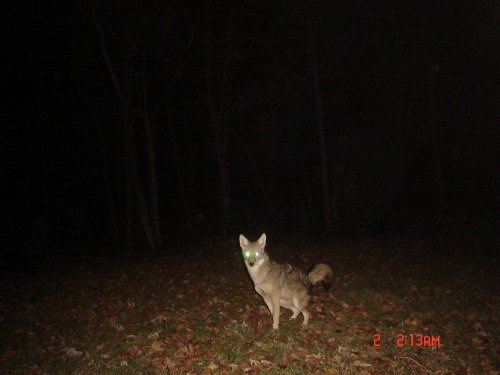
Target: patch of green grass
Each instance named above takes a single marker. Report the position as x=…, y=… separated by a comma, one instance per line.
x=237, y=328
x=233, y=354
x=292, y=368
x=169, y=327
x=201, y=363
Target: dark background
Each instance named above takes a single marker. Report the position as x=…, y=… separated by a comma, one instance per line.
x=139, y=126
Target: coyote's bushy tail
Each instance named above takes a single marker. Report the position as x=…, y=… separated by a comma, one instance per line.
x=321, y=272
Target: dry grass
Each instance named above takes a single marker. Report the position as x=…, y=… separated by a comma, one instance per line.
x=198, y=313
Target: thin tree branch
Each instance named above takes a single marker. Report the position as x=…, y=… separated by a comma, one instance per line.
x=109, y=65
x=176, y=74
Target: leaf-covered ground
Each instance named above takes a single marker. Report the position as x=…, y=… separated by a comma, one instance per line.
x=197, y=312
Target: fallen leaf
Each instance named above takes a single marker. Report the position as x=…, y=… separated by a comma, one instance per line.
x=157, y=346
x=72, y=352
x=358, y=363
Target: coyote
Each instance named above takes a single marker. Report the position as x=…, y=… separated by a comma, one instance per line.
x=282, y=284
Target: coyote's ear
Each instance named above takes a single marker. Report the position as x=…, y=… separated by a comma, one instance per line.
x=243, y=241
x=262, y=240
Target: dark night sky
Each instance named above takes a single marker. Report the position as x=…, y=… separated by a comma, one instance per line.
x=62, y=113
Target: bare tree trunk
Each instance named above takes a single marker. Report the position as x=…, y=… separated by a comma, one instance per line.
x=220, y=149
x=164, y=103
x=438, y=164
x=128, y=214
x=186, y=207
x=104, y=160
x=127, y=131
x=148, y=211
x=153, y=181
x=43, y=224
x=406, y=104
x=403, y=131
x=218, y=121
x=45, y=217
x=124, y=90
x=328, y=197
x=105, y=174
x=130, y=170
x=153, y=187
x=433, y=121
x=131, y=165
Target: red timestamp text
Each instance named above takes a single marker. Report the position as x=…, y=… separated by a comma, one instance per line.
x=412, y=339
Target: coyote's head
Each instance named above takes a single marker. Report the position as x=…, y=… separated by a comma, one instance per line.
x=253, y=252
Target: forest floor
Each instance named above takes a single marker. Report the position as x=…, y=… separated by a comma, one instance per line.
x=398, y=305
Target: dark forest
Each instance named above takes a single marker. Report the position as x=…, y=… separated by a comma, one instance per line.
x=137, y=126
x=140, y=139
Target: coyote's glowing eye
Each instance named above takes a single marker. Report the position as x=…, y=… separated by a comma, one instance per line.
x=257, y=254
x=247, y=254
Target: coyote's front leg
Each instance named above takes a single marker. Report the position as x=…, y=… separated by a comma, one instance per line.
x=275, y=300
